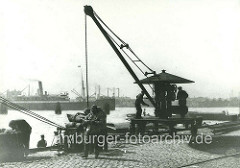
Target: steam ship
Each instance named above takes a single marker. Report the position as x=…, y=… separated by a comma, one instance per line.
x=44, y=101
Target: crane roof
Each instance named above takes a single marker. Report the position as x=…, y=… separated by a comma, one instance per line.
x=164, y=77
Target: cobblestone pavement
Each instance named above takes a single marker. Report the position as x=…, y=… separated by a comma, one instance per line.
x=171, y=153
x=229, y=162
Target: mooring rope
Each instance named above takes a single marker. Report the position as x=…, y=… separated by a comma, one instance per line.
x=28, y=112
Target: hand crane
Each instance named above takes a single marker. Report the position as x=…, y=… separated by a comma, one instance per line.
x=89, y=11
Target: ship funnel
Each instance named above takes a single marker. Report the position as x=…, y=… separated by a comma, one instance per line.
x=40, y=88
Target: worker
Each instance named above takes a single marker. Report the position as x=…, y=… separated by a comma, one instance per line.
x=95, y=123
x=138, y=102
x=182, y=96
x=171, y=96
x=42, y=143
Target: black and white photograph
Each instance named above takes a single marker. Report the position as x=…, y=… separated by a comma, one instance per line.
x=120, y=83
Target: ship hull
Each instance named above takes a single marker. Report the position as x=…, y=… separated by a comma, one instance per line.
x=65, y=105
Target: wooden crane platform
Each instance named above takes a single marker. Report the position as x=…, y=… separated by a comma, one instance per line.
x=194, y=123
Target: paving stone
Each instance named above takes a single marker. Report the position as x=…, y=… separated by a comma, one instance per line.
x=164, y=154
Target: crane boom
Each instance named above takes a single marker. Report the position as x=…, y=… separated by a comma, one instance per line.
x=89, y=11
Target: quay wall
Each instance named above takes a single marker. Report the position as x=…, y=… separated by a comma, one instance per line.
x=66, y=105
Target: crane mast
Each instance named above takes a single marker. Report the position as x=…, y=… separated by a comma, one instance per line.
x=89, y=11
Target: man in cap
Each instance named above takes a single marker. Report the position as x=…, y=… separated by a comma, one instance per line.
x=42, y=143
x=138, y=102
x=95, y=123
x=182, y=96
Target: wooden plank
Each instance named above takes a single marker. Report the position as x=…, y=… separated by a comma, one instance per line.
x=195, y=123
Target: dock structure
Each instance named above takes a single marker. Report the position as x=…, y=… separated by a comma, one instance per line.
x=165, y=92
x=194, y=123
x=164, y=88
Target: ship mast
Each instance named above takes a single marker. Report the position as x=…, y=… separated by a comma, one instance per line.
x=82, y=82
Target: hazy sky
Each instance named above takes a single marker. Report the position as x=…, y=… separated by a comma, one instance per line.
x=195, y=39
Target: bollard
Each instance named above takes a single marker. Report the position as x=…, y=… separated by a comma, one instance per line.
x=58, y=109
x=3, y=109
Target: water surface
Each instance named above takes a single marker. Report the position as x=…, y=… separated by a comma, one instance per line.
x=116, y=116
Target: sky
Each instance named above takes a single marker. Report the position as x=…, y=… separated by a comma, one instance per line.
x=45, y=40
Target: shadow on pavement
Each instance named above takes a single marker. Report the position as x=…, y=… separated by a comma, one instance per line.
x=222, y=145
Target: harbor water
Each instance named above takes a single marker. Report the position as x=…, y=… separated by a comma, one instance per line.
x=116, y=116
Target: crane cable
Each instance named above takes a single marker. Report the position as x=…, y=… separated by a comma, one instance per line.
x=128, y=47
x=130, y=59
x=86, y=58
x=124, y=43
x=28, y=112
x=125, y=53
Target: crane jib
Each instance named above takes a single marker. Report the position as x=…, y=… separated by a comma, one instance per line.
x=89, y=11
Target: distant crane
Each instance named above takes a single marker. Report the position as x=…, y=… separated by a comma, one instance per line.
x=76, y=93
x=113, y=92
